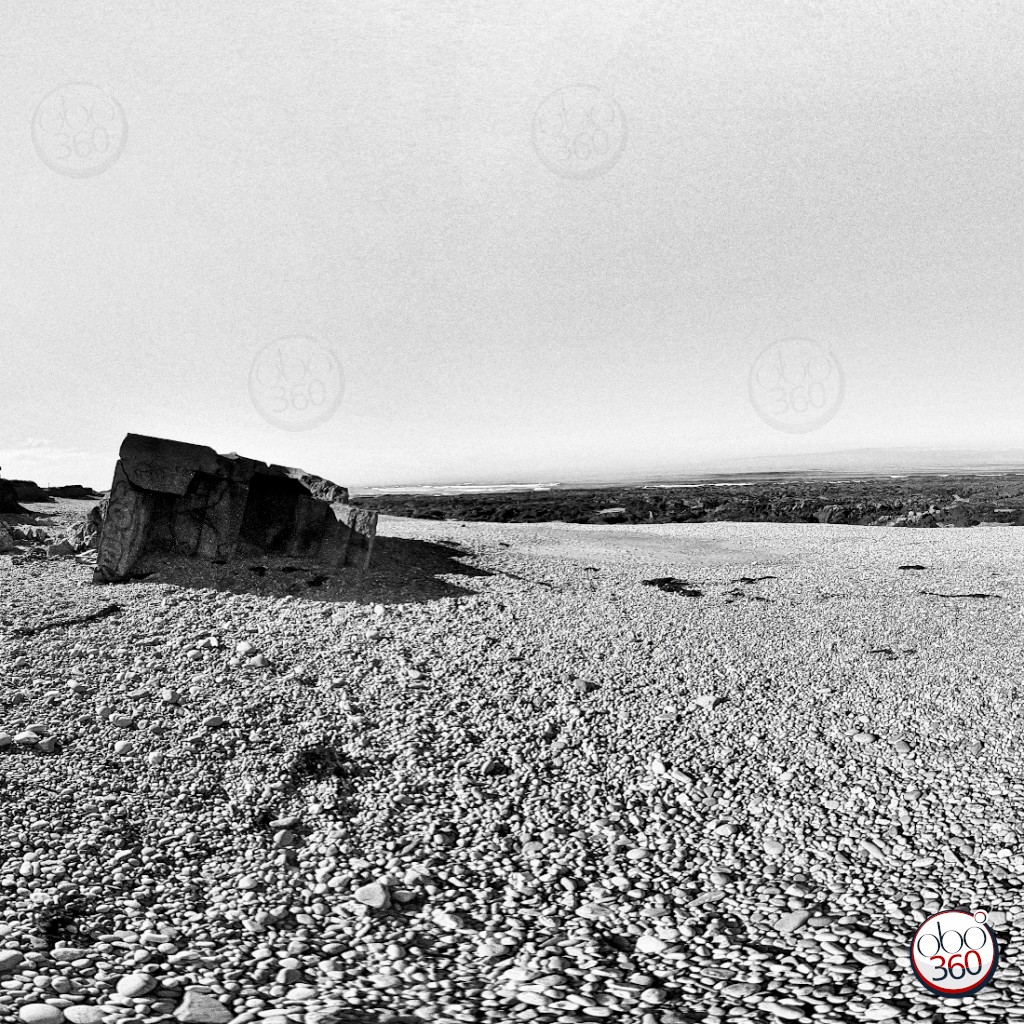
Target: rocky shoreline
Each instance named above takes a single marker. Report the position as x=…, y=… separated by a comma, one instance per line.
x=920, y=501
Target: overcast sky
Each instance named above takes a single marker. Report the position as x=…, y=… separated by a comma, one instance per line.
x=405, y=241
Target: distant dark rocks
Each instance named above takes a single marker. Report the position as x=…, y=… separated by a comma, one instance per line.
x=29, y=491
x=672, y=585
x=9, y=497
x=961, y=515
x=76, y=491
x=917, y=520
x=912, y=567
x=611, y=515
x=920, y=502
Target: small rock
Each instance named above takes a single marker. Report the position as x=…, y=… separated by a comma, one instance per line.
x=135, y=985
x=373, y=895
x=708, y=701
x=83, y=1014
x=26, y=738
x=66, y=954
x=864, y=738
x=123, y=748
x=448, y=921
x=651, y=944
x=881, y=1011
x=740, y=989
x=9, y=959
x=791, y=922
x=40, y=1013
x=654, y=996
x=781, y=1011
x=202, y=1008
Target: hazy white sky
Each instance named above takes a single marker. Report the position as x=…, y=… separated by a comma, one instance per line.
x=532, y=239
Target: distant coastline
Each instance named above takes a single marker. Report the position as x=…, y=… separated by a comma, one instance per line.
x=694, y=481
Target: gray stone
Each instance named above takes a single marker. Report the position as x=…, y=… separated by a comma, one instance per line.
x=83, y=1014
x=793, y=921
x=135, y=985
x=202, y=1008
x=10, y=959
x=85, y=534
x=40, y=1013
x=183, y=498
x=373, y=895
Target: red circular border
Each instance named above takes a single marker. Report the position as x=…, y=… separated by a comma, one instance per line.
x=950, y=993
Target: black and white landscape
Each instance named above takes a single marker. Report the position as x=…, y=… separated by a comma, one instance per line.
x=511, y=512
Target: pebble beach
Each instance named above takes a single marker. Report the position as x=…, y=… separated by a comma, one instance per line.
x=502, y=776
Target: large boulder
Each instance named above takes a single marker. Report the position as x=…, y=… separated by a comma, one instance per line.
x=176, y=497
